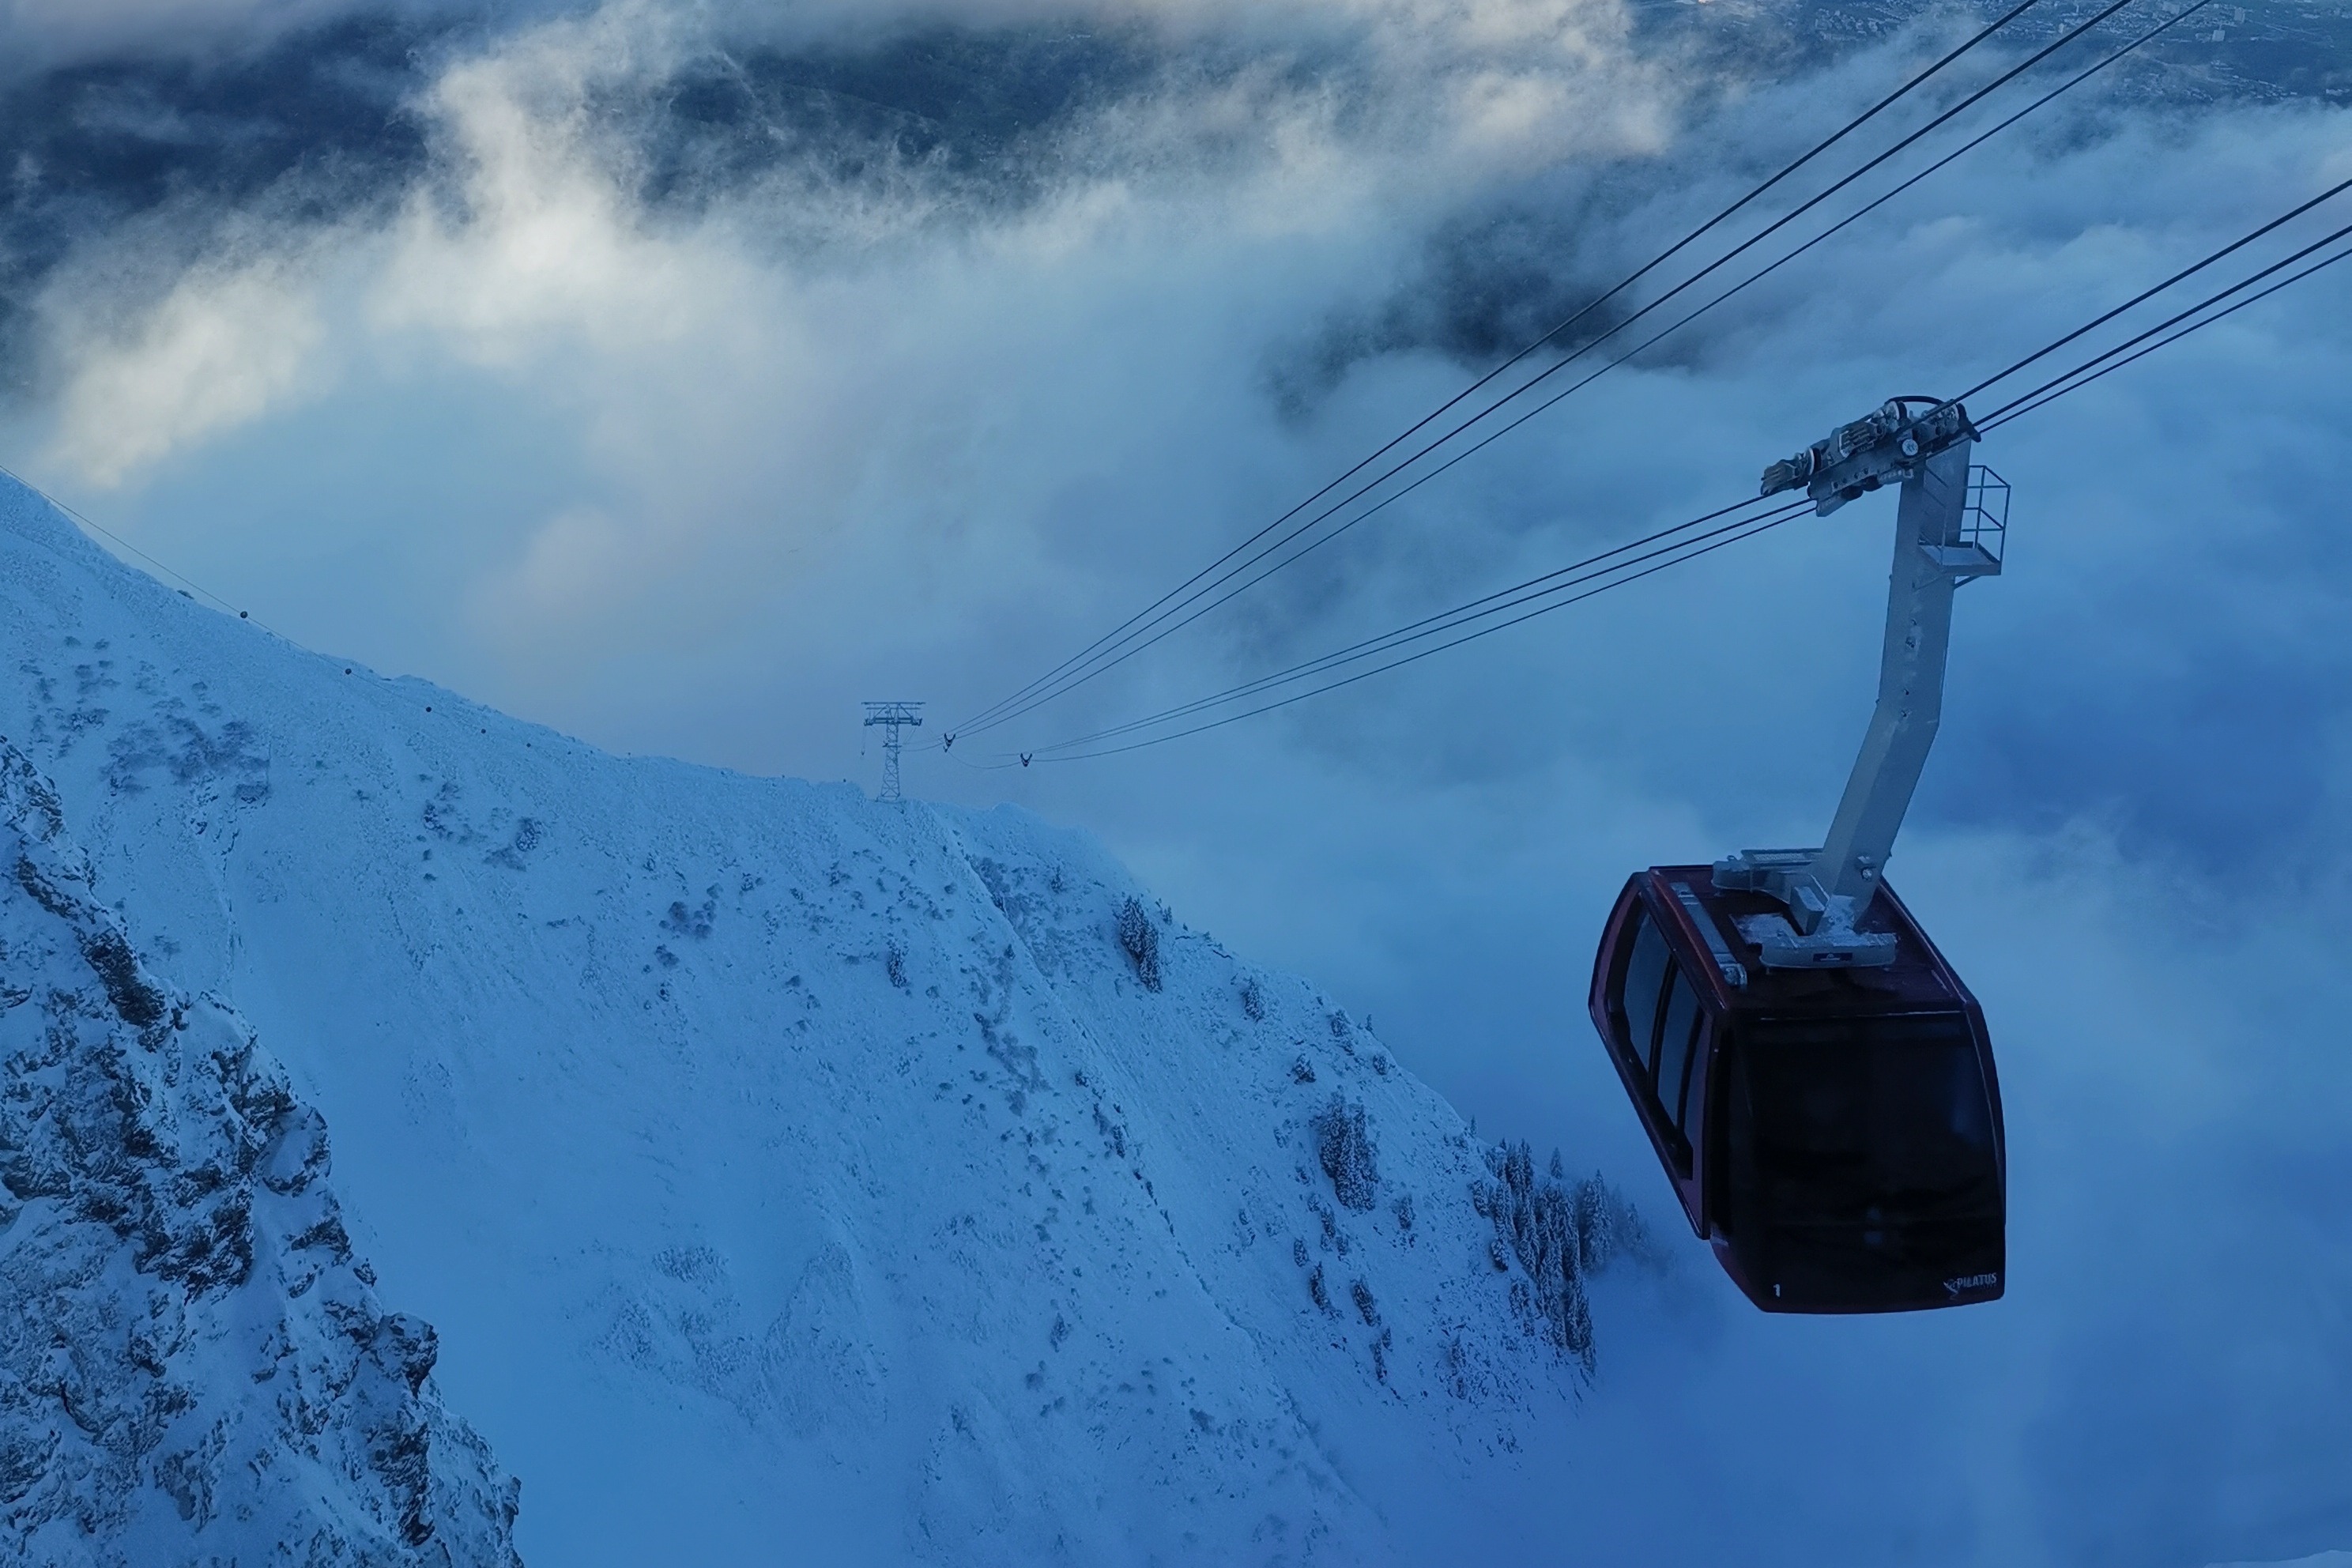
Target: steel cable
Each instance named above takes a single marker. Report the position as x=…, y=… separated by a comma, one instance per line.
x=1415, y=630
x=1542, y=586
x=2162, y=334
x=2043, y=395
x=1749, y=533
x=995, y=713
x=2150, y=292
x=1530, y=412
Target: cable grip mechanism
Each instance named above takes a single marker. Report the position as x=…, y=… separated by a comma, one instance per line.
x=1886, y=445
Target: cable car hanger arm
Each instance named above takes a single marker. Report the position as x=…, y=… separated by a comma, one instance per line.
x=1945, y=536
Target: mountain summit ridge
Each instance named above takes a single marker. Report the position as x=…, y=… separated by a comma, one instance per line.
x=779, y=1165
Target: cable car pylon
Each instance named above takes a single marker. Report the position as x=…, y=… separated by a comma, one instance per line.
x=892, y=717
x=1817, y=1081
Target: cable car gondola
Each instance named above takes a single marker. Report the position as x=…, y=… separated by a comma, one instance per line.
x=1816, y=1079
x=1835, y=1132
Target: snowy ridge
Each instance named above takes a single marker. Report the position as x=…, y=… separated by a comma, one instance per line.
x=193, y=1367
x=780, y=1166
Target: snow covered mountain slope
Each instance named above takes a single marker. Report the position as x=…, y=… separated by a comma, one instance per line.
x=192, y=1366
x=793, y=1178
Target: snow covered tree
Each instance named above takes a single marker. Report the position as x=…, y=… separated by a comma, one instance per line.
x=1344, y=1145
x=1141, y=938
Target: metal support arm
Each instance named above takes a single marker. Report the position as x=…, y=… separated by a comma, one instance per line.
x=1937, y=548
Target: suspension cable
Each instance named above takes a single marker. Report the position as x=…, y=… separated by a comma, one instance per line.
x=2154, y=289
x=2036, y=399
x=993, y=713
x=1551, y=585
x=1115, y=654
x=1770, y=522
x=2318, y=266
x=1591, y=569
x=1864, y=211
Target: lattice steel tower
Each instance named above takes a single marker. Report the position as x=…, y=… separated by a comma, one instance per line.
x=892, y=716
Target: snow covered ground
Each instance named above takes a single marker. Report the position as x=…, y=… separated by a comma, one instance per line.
x=795, y=1177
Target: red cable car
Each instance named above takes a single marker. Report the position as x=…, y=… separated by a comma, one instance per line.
x=1816, y=1079
x=1836, y=1133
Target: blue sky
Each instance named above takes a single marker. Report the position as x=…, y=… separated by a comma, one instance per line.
x=686, y=427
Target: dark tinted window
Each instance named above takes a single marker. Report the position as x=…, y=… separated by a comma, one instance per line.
x=1675, y=1045
x=1645, y=975
x=1866, y=1118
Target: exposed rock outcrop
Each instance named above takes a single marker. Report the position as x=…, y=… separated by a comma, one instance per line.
x=193, y=1366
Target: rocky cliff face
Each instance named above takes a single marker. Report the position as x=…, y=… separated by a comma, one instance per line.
x=194, y=1365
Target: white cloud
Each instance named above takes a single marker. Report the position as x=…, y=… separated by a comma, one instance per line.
x=224, y=346
x=531, y=236
x=742, y=403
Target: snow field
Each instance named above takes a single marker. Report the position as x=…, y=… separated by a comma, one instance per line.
x=793, y=1178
